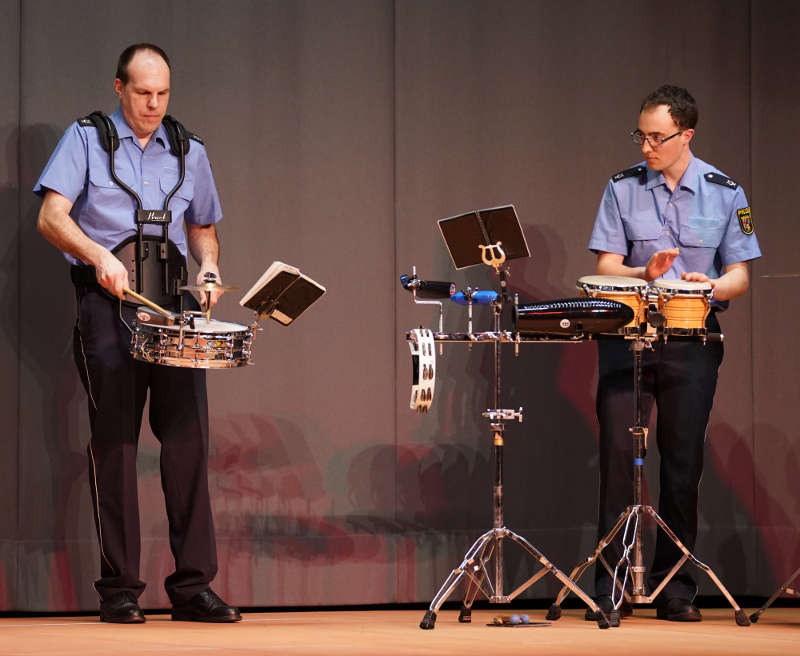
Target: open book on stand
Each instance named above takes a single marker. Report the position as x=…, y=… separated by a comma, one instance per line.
x=282, y=293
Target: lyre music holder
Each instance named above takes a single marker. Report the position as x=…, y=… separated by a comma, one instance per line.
x=492, y=237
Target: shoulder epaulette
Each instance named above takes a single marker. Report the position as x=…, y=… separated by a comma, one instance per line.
x=192, y=135
x=718, y=178
x=85, y=122
x=629, y=173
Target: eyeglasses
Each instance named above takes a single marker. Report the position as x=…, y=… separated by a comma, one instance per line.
x=639, y=138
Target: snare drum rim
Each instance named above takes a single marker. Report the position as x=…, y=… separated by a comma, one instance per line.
x=196, y=332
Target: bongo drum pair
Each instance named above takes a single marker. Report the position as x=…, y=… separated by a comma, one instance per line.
x=684, y=304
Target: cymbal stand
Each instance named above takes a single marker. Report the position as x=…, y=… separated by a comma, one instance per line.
x=482, y=566
x=631, y=563
x=783, y=589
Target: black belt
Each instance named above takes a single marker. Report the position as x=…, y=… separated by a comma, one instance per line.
x=83, y=276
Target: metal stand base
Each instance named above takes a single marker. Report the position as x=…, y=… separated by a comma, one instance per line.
x=783, y=589
x=488, y=549
x=486, y=555
x=628, y=519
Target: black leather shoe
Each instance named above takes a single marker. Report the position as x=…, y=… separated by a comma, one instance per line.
x=121, y=608
x=678, y=610
x=606, y=605
x=205, y=606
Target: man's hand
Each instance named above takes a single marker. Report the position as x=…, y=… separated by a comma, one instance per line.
x=201, y=279
x=204, y=247
x=732, y=283
x=111, y=273
x=694, y=276
x=659, y=263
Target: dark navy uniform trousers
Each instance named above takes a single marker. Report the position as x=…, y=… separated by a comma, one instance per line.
x=117, y=388
x=680, y=377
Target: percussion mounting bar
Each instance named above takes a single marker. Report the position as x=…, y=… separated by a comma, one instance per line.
x=412, y=285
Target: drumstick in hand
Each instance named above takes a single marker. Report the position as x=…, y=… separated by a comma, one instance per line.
x=148, y=303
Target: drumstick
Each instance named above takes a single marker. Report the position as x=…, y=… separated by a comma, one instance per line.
x=148, y=303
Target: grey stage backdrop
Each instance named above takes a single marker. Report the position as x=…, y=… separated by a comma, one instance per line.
x=339, y=132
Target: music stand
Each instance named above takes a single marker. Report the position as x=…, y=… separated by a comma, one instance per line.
x=492, y=237
x=282, y=293
x=467, y=236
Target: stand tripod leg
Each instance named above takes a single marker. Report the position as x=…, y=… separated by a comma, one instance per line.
x=477, y=579
x=784, y=588
x=472, y=559
x=473, y=587
x=548, y=567
x=554, y=612
x=474, y=568
x=741, y=618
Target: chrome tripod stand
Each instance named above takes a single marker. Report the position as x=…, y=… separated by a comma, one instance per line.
x=631, y=563
x=482, y=566
x=783, y=589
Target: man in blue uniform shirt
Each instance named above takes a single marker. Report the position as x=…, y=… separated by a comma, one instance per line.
x=671, y=216
x=86, y=215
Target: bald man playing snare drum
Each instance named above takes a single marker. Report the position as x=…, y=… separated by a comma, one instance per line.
x=138, y=176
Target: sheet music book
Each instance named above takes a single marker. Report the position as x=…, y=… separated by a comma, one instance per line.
x=282, y=293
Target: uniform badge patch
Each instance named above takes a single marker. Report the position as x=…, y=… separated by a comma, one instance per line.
x=746, y=220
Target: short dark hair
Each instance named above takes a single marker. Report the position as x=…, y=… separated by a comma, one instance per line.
x=130, y=51
x=682, y=107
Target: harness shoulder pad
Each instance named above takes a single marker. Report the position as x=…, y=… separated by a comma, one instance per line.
x=720, y=179
x=629, y=173
x=107, y=133
x=192, y=135
x=177, y=135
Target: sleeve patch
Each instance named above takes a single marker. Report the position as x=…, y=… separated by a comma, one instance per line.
x=719, y=179
x=745, y=220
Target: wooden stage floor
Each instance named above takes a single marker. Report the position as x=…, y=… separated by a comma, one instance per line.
x=390, y=632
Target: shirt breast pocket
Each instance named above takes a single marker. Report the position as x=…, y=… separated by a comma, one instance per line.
x=183, y=195
x=702, y=232
x=106, y=195
x=642, y=228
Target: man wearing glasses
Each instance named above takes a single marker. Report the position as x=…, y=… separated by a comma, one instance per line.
x=670, y=216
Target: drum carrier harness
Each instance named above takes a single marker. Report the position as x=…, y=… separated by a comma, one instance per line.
x=158, y=271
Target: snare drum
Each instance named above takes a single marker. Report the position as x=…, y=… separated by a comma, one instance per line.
x=208, y=344
x=685, y=304
x=629, y=291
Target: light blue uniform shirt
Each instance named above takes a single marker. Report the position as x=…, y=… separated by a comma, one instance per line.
x=79, y=170
x=707, y=220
